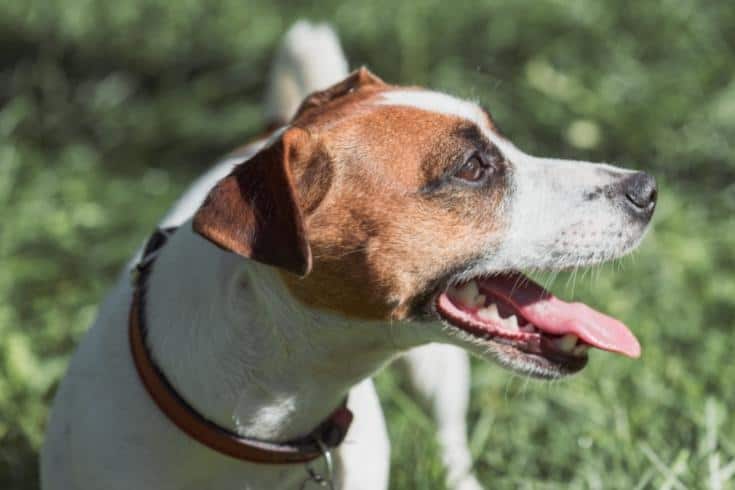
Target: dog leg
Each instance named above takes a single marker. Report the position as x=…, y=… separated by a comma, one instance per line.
x=440, y=374
x=363, y=458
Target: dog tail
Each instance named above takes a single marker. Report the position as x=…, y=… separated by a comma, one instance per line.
x=310, y=58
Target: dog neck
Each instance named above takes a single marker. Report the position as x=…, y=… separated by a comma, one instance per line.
x=243, y=353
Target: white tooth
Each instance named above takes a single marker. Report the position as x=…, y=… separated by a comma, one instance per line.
x=467, y=294
x=489, y=312
x=566, y=343
x=581, y=350
x=528, y=328
x=511, y=323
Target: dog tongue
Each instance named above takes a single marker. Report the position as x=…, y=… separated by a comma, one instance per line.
x=556, y=317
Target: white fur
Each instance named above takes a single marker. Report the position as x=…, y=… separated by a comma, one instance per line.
x=310, y=59
x=438, y=102
x=552, y=226
x=361, y=467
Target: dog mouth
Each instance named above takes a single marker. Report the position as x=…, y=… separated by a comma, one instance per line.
x=537, y=332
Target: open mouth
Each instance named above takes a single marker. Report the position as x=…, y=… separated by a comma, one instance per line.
x=537, y=328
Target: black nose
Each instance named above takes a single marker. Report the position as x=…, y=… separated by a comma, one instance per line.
x=640, y=192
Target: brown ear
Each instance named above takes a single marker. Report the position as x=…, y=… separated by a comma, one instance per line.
x=254, y=211
x=359, y=78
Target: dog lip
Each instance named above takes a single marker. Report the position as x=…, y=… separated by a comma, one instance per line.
x=528, y=300
x=536, y=343
x=534, y=353
x=543, y=348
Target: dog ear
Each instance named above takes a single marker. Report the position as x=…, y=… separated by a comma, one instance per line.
x=362, y=77
x=254, y=211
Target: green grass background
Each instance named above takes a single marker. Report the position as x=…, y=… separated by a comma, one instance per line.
x=108, y=109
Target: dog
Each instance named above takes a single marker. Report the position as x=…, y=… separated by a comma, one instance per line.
x=238, y=345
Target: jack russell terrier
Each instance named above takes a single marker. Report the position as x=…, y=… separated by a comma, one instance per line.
x=378, y=219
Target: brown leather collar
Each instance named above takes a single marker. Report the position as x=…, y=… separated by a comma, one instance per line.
x=328, y=434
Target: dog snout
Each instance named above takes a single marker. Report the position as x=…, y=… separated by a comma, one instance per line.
x=640, y=193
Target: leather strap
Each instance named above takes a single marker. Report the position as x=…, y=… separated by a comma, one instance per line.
x=329, y=434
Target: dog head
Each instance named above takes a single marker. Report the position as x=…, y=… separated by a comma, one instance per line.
x=388, y=204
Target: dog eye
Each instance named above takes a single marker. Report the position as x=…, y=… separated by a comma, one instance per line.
x=473, y=170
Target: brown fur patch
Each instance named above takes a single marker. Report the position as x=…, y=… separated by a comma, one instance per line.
x=377, y=239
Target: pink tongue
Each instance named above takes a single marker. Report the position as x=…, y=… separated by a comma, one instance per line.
x=554, y=316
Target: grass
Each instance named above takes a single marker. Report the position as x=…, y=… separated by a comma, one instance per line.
x=108, y=110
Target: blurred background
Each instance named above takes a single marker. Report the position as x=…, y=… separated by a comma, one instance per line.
x=109, y=109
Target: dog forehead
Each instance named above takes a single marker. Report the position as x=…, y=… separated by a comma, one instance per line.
x=406, y=145
x=409, y=129
x=438, y=102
